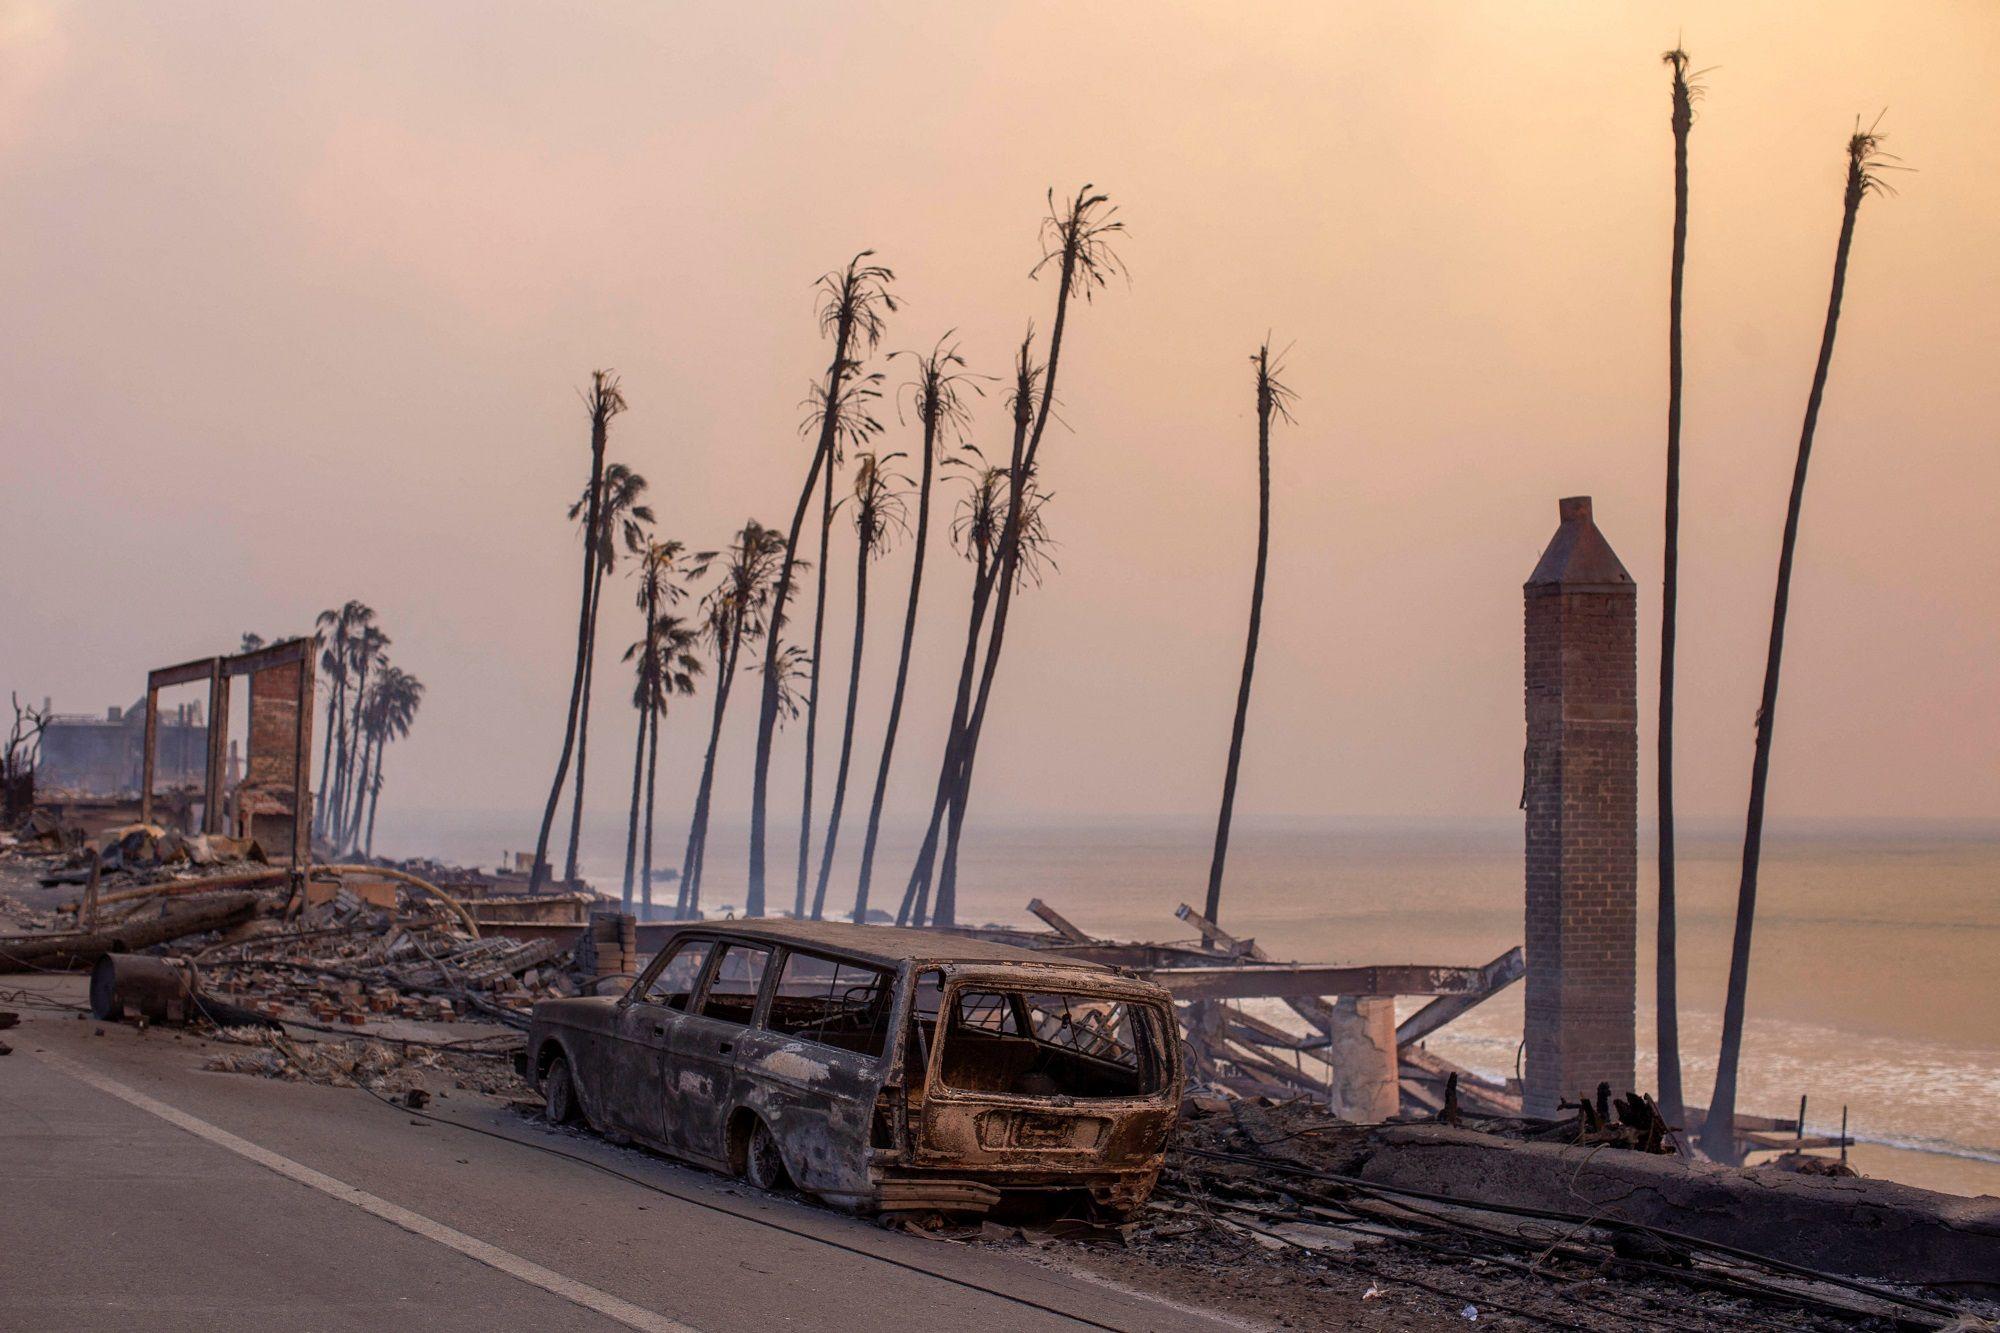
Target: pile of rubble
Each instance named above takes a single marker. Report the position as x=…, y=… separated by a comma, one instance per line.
x=410, y=1071
x=345, y=961
x=335, y=947
x=1284, y=1212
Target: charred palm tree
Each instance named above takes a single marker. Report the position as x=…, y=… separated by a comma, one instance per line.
x=660, y=586
x=1667, y=1027
x=366, y=651
x=878, y=516
x=604, y=402
x=1718, y=1132
x=978, y=529
x=812, y=686
x=1273, y=399
x=333, y=629
x=675, y=641
x=856, y=427
x=620, y=515
x=397, y=696
x=1077, y=241
x=732, y=613
x=937, y=395
x=853, y=304
x=980, y=526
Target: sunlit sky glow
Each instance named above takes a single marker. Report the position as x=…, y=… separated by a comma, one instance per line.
x=299, y=298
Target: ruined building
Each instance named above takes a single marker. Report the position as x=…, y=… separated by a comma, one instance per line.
x=87, y=755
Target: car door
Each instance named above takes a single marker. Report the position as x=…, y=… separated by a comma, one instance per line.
x=705, y=1050
x=813, y=1066
x=642, y=1087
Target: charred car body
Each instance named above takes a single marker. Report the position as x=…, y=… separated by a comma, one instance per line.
x=878, y=1068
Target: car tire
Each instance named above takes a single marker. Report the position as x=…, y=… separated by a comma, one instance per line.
x=559, y=1093
x=763, y=1160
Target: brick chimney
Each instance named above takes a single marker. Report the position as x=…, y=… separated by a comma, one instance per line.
x=1581, y=794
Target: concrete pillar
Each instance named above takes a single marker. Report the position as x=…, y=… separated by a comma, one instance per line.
x=1581, y=794
x=1361, y=1043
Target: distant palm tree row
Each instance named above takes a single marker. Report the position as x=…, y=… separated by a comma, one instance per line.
x=370, y=702
x=754, y=579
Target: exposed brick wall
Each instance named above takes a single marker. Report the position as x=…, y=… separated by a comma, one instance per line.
x=1581, y=796
x=274, y=719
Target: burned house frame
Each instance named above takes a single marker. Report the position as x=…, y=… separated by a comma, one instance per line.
x=278, y=750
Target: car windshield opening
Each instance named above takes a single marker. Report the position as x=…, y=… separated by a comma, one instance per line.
x=1052, y=1044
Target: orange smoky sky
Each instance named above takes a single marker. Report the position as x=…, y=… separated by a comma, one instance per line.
x=299, y=298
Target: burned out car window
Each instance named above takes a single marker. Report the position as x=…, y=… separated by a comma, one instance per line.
x=734, y=982
x=840, y=1004
x=988, y=1011
x=1053, y=1044
x=673, y=986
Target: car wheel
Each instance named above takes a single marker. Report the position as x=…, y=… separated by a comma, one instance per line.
x=763, y=1163
x=559, y=1093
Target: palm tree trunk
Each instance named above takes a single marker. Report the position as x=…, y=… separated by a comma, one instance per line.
x=370, y=745
x=690, y=891
x=902, y=675
x=583, y=734
x=846, y=735
x=812, y=695
x=647, y=691
x=374, y=800
x=767, y=712
x=353, y=740
x=632, y=821
x=338, y=785
x=333, y=709
x=947, y=897
x=538, y=873
x=652, y=777
x=1215, y=864
x=1718, y=1136
x=1667, y=1027
x=917, y=893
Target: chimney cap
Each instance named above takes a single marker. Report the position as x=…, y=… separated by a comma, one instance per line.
x=1578, y=555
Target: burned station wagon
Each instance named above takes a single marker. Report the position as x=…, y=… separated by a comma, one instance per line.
x=877, y=1068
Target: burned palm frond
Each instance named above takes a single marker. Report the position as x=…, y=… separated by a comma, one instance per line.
x=1866, y=160
x=735, y=607
x=852, y=414
x=794, y=667
x=1076, y=236
x=620, y=512
x=605, y=398
x=879, y=509
x=979, y=526
x=1274, y=396
x=856, y=297
x=937, y=394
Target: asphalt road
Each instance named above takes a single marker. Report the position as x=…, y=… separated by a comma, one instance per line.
x=143, y=1191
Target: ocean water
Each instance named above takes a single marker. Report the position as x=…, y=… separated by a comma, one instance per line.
x=1875, y=980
